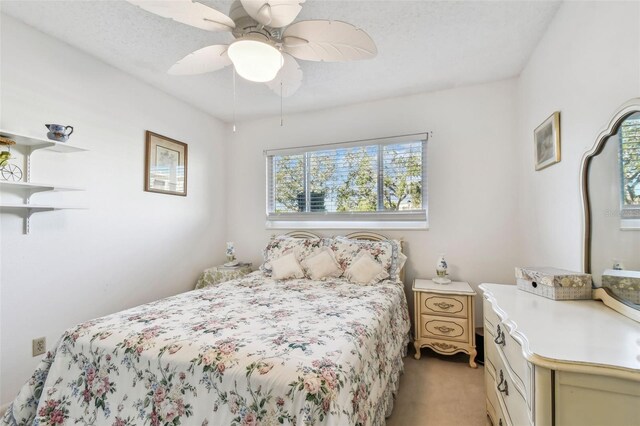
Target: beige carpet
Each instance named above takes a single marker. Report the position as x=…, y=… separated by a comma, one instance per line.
x=440, y=390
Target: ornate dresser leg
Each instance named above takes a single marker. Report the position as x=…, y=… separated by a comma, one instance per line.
x=472, y=358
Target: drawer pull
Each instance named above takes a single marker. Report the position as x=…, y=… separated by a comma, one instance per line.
x=444, y=346
x=443, y=305
x=500, y=422
x=503, y=386
x=444, y=329
x=499, y=340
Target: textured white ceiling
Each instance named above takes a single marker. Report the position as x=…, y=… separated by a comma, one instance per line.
x=422, y=45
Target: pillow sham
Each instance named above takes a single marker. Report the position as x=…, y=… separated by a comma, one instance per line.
x=387, y=253
x=322, y=264
x=402, y=259
x=286, y=266
x=365, y=270
x=281, y=244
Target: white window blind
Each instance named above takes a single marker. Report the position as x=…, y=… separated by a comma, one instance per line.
x=372, y=180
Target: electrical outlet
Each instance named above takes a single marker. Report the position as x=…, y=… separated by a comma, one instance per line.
x=39, y=346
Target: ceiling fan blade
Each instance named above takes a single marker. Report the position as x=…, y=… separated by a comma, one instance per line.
x=207, y=59
x=290, y=75
x=330, y=41
x=274, y=13
x=187, y=12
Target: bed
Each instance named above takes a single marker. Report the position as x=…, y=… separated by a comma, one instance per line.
x=252, y=351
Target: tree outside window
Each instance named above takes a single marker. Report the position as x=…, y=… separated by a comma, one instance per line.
x=372, y=178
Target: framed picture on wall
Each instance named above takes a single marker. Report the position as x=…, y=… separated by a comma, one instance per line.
x=547, y=142
x=165, y=165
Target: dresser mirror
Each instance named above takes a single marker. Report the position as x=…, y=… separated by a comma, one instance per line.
x=610, y=180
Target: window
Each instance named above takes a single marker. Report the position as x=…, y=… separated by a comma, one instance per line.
x=629, y=137
x=343, y=185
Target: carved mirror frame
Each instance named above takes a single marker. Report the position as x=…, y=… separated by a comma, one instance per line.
x=600, y=293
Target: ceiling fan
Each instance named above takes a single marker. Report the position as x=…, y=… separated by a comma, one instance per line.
x=267, y=41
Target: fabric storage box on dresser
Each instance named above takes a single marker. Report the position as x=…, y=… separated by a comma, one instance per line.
x=553, y=283
x=558, y=363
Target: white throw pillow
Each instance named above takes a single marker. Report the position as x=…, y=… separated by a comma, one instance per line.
x=286, y=267
x=365, y=270
x=322, y=264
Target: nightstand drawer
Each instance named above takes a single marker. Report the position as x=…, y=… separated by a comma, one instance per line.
x=444, y=328
x=447, y=305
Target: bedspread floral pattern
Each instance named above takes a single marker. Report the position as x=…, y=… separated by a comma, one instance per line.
x=253, y=351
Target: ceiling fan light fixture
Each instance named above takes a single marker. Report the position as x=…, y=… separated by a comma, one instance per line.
x=255, y=60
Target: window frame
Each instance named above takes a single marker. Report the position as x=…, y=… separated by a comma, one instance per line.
x=381, y=219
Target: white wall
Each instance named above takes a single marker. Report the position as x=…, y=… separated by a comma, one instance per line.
x=472, y=193
x=585, y=66
x=131, y=246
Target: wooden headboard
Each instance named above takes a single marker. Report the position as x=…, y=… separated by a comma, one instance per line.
x=361, y=235
x=302, y=234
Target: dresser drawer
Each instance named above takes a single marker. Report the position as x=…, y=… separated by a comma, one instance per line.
x=514, y=359
x=444, y=328
x=493, y=405
x=490, y=317
x=447, y=305
x=516, y=411
x=497, y=334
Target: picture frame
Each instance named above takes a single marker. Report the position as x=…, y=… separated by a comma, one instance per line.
x=546, y=139
x=166, y=163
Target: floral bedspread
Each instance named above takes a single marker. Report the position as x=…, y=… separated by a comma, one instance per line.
x=252, y=351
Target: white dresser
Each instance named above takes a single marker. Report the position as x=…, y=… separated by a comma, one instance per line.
x=559, y=362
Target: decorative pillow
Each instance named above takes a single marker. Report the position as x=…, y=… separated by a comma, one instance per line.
x=322, y=264
x=365, y=270
x=281, y=244
x=286, y=267
x=387, y=253
x=402, y=259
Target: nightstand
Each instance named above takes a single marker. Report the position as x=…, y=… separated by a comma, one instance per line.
x=444, y=318
x=219, y=274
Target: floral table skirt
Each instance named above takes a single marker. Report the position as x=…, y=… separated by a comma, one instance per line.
x=219, y=274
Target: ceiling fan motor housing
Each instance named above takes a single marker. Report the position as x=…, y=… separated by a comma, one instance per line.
x=246, y=26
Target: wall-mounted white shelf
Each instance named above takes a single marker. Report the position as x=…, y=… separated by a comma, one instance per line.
x=37, y=187
x=27, y=208
x=39, y=143
x=37, y=207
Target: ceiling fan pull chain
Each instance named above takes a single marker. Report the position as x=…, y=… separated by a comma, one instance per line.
x=234, y=99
